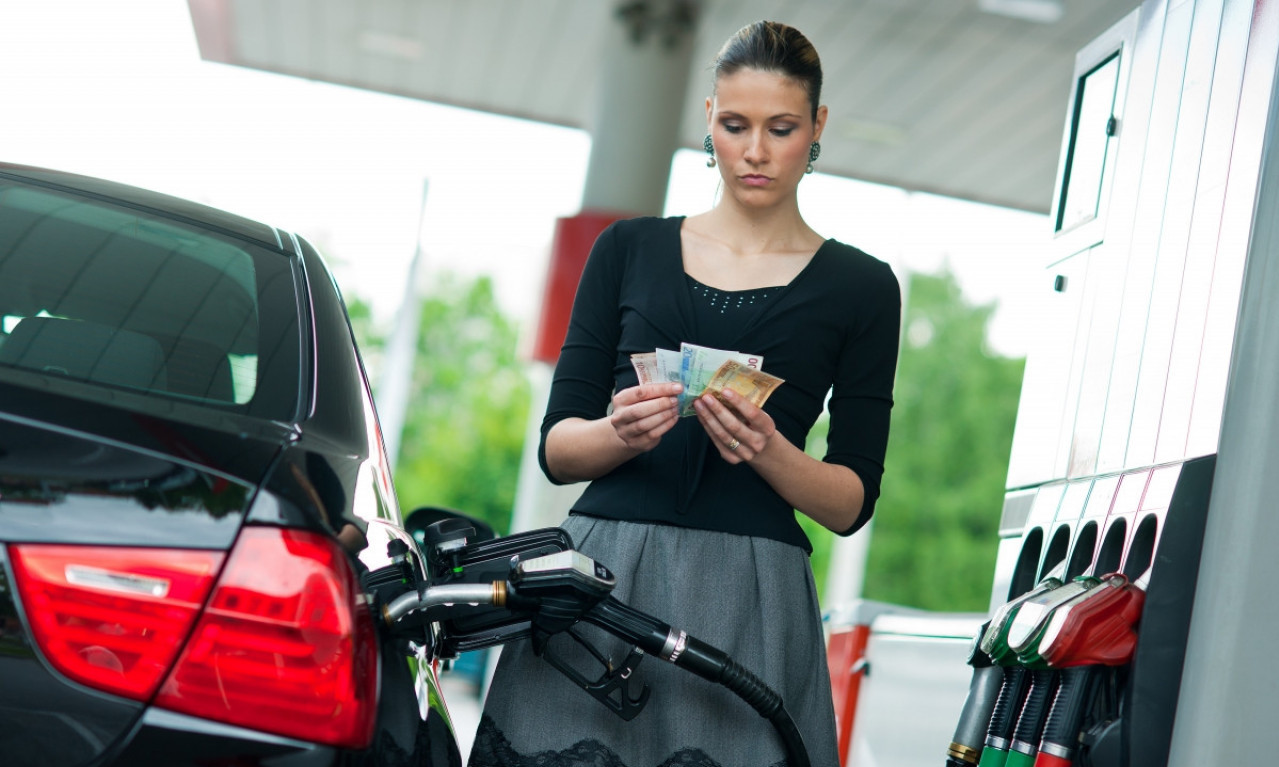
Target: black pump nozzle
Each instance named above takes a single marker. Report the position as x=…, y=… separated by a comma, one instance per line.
x=974, y=718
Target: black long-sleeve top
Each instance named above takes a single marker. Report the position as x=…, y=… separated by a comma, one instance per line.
x=835, y=326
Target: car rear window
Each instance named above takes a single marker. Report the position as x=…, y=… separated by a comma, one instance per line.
x=121, y=299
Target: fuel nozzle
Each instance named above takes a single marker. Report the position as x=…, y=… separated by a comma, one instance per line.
x=994, y=639
x=399, y=576
x=974, y=718
x=1095, y=629
x=558, y=589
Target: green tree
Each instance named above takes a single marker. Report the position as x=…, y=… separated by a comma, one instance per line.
x=935, y=533
x=468, y=406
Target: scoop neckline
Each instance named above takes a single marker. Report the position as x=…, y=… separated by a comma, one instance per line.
x=679, y=241
x=699, y=283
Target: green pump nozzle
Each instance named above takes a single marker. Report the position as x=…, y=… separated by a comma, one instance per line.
x=994, y=641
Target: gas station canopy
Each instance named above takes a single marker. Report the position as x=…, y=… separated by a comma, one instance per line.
x=958, y=97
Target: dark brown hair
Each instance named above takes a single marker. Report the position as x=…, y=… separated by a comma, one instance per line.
x=770, y=46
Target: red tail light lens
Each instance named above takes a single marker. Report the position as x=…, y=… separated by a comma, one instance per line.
x=284, y=646
x=112, y=618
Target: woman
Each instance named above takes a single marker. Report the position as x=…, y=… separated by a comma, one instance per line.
x=695, y=516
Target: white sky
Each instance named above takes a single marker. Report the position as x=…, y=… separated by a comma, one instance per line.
x=117, y=90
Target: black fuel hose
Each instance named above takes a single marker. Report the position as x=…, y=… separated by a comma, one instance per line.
x=974, y=719
x=659, y=639
x=1030, y=723
x=1061, y=731
x=1004, y=716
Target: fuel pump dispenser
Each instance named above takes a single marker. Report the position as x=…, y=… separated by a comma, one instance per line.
x=1053, y=642
x=1014, y=700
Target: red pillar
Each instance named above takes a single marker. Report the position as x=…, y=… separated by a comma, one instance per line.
x=846, y=660
x=570, y=246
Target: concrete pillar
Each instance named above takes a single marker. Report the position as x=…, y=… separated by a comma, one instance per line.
x=648, y=57
x=538, y=503
x=641, y=93
x=846, y=572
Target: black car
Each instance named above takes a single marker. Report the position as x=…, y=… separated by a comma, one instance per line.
x=193, y=495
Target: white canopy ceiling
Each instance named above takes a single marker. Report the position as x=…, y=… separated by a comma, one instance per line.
x=931, y=95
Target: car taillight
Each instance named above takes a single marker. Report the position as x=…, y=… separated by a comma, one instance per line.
x=112, y=618
x=284, y=646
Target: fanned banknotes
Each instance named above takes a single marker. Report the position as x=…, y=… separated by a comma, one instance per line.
x=701, y=369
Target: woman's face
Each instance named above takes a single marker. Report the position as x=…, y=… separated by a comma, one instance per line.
x=761, y=124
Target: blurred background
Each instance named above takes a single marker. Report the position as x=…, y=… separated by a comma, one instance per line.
x=439, y=219
x=120, y=90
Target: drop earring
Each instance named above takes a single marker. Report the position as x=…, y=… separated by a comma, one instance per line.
x=709, y=146
x=814, y=152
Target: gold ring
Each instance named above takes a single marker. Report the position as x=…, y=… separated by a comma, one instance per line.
x=734, y=444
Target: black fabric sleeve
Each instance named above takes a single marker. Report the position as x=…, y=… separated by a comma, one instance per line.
x=583, y=382
x=862, y=399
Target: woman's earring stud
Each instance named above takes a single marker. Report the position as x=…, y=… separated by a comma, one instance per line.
x=814, y=151
x=709, y=146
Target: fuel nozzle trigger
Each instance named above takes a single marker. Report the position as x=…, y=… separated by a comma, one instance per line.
x=558, y=590
x=612, y=688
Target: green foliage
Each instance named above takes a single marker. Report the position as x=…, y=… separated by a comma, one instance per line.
x=464, y=431
x=935, y=529
x=823, y=540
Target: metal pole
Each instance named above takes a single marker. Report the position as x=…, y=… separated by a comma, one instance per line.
x=396, y=382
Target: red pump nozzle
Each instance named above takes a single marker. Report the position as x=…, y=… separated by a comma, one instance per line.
x=1099, y=630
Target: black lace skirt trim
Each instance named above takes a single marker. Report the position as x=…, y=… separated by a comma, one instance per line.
x=492, y=749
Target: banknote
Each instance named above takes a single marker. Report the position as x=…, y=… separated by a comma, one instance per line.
x=645, y=365
x=668, y=365
x=698, y=365
x=753, y=385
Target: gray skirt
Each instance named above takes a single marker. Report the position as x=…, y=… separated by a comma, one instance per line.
x=753, y=598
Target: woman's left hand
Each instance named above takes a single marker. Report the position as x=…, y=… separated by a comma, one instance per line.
x=739, y=429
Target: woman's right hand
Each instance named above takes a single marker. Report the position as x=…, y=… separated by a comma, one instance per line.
x=578, y=450
x=642, y=414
